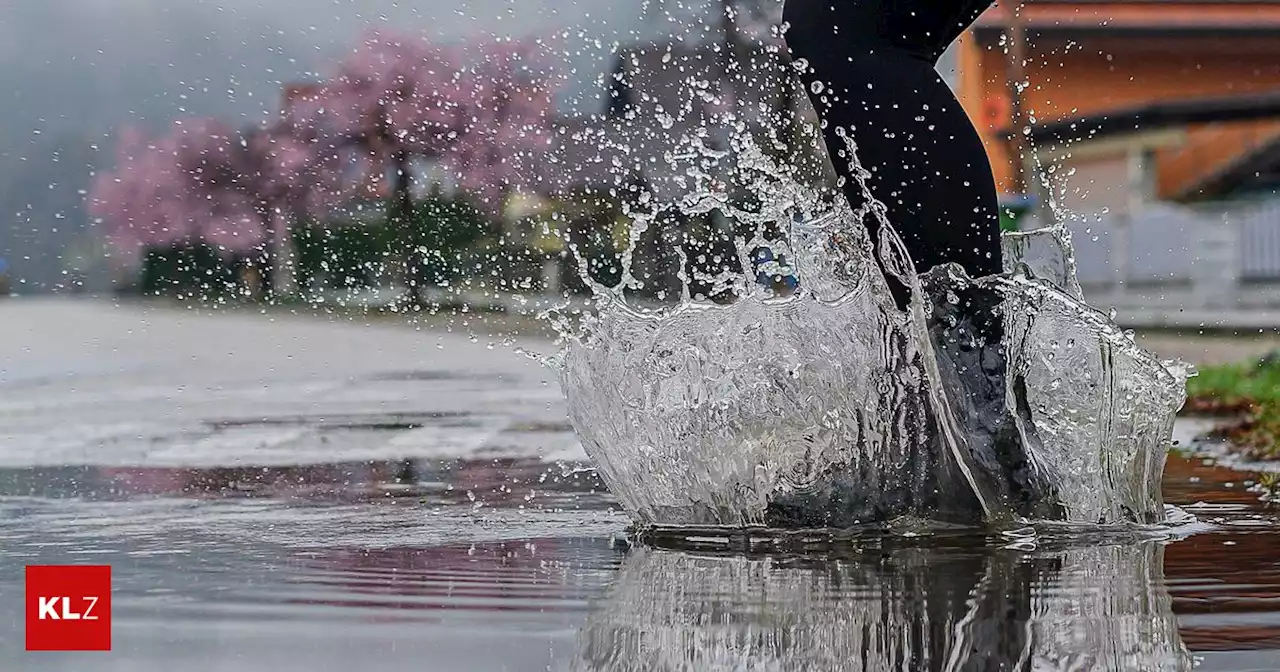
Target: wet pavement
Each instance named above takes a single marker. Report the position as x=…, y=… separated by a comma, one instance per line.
x=299, y=494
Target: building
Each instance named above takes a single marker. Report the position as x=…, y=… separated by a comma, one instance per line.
x=1092, y=60
x=1156, y=125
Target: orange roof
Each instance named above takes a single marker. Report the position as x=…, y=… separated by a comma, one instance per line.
x=1173, y=15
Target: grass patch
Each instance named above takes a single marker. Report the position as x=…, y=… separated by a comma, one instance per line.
x=1248, y=393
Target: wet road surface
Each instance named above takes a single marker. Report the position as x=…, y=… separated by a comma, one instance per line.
x=304, y=495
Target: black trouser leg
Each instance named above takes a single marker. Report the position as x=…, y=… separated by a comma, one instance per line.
x=927, y=163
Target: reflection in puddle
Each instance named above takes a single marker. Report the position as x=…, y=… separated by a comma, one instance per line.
x=541, y=576
x=1226, y=590
x=510, y=563
x=1225, y=585
x=499, y=482
x=904, y=608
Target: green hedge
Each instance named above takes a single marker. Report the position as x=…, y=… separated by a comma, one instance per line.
x=193, y=271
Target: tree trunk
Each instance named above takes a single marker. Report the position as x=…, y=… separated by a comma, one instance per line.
x=281, y=256
x=399, y=219
x=264, y=264
x=275, y=259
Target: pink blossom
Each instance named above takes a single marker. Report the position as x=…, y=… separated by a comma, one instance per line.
x=205, y=182
x=505, y=133
x=481, y=113
x=399, y=91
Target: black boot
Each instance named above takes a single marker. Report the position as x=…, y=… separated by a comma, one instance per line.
x=967, y=331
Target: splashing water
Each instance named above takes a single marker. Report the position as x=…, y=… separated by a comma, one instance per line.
x=995, y=401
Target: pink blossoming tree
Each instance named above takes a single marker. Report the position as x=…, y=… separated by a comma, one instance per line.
x=206, y=183
x=480, y=114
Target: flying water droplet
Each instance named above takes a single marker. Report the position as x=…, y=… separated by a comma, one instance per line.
x=778, y=379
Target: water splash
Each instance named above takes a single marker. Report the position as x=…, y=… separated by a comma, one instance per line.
x=831, y=407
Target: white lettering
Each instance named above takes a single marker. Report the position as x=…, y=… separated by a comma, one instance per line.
x=46, y=608
x=67, y=614
x=93, y=602
x=49, y=609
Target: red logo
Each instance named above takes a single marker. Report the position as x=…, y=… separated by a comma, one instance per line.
x=68, y=608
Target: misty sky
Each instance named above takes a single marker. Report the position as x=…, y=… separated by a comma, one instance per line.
x=93, y=63
x=76, y=70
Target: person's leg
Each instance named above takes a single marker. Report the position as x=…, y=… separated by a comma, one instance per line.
x=927, y=163
x=874, y=61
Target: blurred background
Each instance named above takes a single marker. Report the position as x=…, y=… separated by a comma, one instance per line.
x=239, y=150
x=482, y=159
x=1155, y=131
x=191, y=149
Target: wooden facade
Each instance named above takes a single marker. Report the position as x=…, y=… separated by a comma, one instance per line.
x=1088, y=58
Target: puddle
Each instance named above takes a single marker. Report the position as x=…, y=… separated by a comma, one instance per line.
x=428, y=523
x=515, y=564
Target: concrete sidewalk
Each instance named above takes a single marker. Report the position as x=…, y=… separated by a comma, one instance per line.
x=1235, y=320
x=1209, y=349
x=93, y=383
